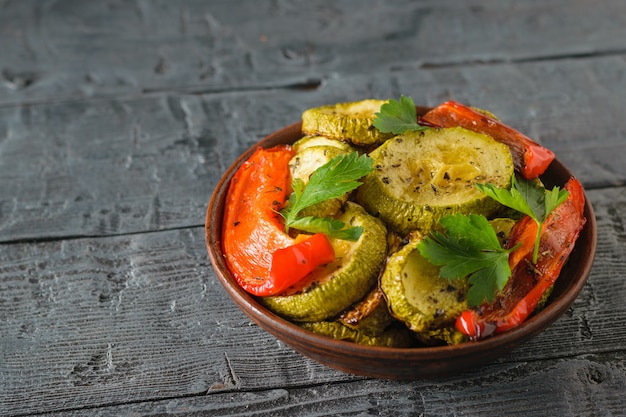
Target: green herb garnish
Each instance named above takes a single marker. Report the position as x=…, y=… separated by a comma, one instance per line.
x=469, y=247
x=331, y=180
x=530, y=198
x=398, y=117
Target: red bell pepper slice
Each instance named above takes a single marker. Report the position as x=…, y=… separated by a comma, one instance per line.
x=253, y=231
x=530, y=158
x=528, y=281
x=291, y=264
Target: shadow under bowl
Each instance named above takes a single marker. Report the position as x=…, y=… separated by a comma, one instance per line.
x=399, y=363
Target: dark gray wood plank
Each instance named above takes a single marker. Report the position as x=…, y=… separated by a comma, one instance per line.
x=127, y=318
x=586, y=386
x=125, y=165
x=103, y=321
x=62, y=49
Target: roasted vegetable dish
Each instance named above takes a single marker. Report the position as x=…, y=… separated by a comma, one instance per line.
x=386, y=228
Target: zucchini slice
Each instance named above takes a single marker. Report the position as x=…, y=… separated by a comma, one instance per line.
x=369, y=316
x=444, y=335
x=415, y=293
x=331, y=289
x=309, y=141
x=502, y=226
x=352, y=122
x=394, y=337
x=422, y=176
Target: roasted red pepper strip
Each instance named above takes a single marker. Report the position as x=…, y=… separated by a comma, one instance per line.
x=258, y=252
x=530, y=158
x=530, y=281
x=251, y=228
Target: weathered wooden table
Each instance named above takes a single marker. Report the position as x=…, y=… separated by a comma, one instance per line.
x=118, y=118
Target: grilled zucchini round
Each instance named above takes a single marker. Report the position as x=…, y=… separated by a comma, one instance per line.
x=352, y=122
x=415, y=293
x=331, y=289
x=420, y=177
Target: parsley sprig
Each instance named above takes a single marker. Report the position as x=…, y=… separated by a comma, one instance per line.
x=398, y=117
x=469, y=247
x=528, y=197
x=331, y=180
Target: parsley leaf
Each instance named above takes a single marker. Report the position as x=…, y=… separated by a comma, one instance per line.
x=398, y=117
x=469, y=247
x=530, y=198
x=331, y=180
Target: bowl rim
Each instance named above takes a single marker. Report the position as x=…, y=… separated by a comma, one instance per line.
x=282, y=328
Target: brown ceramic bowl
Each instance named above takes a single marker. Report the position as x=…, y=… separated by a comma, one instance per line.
x=399, y=363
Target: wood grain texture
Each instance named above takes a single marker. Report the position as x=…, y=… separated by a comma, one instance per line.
x=586, y=386
x=127, y=165
x=141, y=314
x=56, y=50
x=88, y=321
